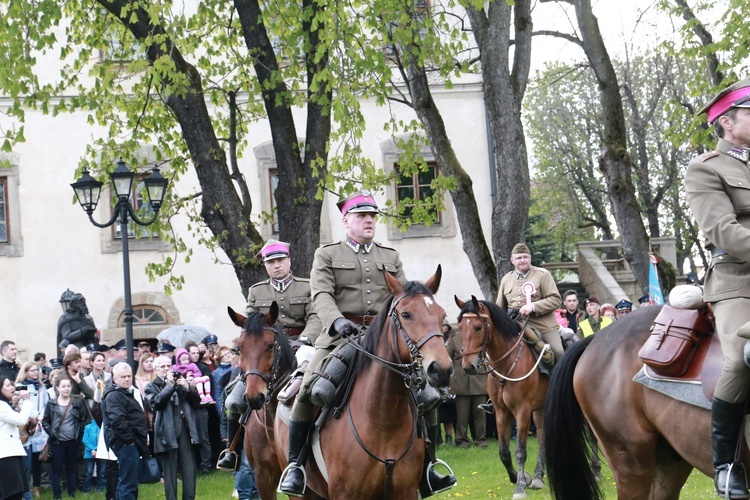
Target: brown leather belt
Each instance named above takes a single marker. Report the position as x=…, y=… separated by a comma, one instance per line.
x=360, y=320
x=293, y=330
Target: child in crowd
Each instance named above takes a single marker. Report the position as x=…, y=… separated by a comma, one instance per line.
x=202, y=383
x=90, y=443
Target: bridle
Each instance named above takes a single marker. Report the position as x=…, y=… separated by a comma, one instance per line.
x=411, y=372
x=489, y=364
x=275, y=376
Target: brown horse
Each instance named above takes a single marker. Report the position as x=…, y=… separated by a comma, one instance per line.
x=266, y=360
x=650, y=440
x=492, y=342
x=374, y=449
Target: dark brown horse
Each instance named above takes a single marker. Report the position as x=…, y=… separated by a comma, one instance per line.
x=403, y=345
x=266, y=359
x=493, y=343
x=650, y=440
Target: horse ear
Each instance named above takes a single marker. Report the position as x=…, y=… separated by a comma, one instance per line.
x=272, y=315
x=433, y=283
x=237, y=318
x=393, y=285
x=460, y=303
x=475, y=302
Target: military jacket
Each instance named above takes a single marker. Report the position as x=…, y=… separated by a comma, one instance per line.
x=717, y=185
x=347, y=283
x=546, y=298
x=295, y=305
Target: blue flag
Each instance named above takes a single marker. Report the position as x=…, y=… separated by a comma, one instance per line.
x=654, y=289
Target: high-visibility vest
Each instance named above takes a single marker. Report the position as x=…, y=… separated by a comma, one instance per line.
x=586, y=328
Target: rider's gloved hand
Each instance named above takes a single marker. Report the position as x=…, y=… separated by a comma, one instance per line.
x=344, y=327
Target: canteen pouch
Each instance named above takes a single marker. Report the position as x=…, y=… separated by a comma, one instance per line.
x=293, y=385
x=675, y=336
x=331, y=374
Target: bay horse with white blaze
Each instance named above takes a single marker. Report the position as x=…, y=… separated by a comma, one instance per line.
x=493, y=343
x=374, y=450
x=266, y=360
x=651, y=441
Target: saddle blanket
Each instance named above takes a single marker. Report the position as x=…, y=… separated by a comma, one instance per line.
x=687, y=392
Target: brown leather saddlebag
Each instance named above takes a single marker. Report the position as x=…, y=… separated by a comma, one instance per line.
x=675, y=336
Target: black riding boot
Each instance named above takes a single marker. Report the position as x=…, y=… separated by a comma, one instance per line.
x=726, y=424
x=433, y=482
x=228, y=460
x=293, y=479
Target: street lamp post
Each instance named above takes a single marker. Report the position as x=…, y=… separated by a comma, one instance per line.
x=88, y=190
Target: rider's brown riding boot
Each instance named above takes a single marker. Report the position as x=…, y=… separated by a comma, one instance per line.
x=726, y=425
x=293, y=478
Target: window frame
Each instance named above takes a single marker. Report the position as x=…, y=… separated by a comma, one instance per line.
x=10, y=172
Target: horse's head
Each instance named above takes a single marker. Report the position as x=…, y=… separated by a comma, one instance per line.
x=474, y=329
x=420, y=319
x=265, y=353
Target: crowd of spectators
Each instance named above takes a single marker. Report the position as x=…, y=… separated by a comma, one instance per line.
x=84, y=420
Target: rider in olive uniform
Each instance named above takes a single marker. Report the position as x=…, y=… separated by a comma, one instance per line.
x=348, y=291
x=716, y=185
x=292, y=294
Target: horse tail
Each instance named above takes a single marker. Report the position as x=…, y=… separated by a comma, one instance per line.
x=567, y=446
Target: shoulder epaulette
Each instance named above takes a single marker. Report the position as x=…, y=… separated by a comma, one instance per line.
x=540, y=269
x=377, y=243
x=330, y=244
x=264, y=282
x=303, y=280
x=707, y=155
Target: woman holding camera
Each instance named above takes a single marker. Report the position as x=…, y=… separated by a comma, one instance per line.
x=30, y=377
x=64, y=418
x=13, y=482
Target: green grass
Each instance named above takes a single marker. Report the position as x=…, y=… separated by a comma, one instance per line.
x=479, y=471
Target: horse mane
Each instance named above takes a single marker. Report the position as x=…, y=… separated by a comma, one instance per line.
x=378, y=326
x=255, y=324
x=500, y=319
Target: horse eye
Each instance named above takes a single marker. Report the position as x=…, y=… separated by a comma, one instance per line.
x=269, y=347
x=405, y=315
x=478, y=328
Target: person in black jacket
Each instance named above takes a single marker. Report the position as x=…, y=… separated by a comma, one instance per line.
x=172, y=401
x=126, y=428
x=9, y=366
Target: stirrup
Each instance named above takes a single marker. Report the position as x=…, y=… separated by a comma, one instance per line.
x=225, y=454
x=450, y=473
x=292, y=465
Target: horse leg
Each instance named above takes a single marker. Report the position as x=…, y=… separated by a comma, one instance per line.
x=672, y=472
x=503, y=420
x=522, y=436
x=538, y=482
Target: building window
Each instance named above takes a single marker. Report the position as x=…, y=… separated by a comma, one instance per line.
x=145, y=315
x=3, y=210
x=11, y=236
x=412, y=187
x=273, y=184
x=416, y=186
x=139, y=201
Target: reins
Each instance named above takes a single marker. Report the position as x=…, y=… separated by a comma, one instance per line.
x=489, y=363
x=274, y=377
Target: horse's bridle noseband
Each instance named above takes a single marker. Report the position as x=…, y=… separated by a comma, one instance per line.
x=273, y=378
x=482, y=350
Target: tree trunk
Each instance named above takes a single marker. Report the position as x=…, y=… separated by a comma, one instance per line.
x=614, y=159
x=504, y=89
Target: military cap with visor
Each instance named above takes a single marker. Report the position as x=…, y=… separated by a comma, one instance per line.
x=624, y=305
x=734, y=96
x=210, y=339
x=359, y=202
x=274, y=249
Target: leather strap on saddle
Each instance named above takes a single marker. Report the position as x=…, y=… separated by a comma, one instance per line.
x=293, y=330
x=360, y=320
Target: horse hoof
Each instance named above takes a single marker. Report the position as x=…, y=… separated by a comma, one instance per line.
x=519, y=496
x=528, y=477
x=536, y=484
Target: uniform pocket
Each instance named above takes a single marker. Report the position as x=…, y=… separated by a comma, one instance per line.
x=380, y=277
x=739, y=192
x=345, y=272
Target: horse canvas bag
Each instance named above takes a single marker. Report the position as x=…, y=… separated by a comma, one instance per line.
x=675, y=335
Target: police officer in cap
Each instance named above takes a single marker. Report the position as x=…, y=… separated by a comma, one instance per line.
x=348, y=290
x=623, y=307
x=716, y=185
x=291, y=293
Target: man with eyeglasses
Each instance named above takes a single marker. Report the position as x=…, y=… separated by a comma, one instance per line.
x=717, y=185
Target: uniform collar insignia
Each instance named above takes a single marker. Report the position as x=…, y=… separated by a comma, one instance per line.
x=521, y=276
x=741, y=154
x=356, y=247
x=281, y=286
